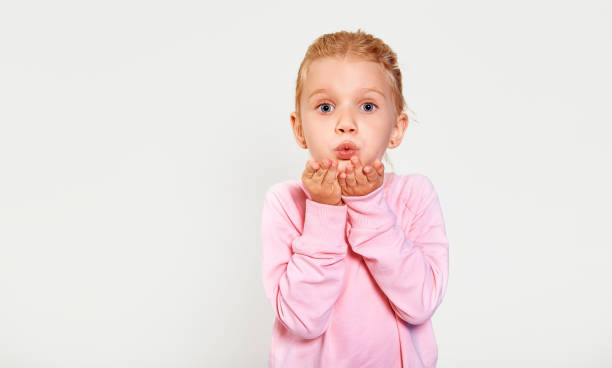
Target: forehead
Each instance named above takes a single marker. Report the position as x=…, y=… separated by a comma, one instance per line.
x=345, y=76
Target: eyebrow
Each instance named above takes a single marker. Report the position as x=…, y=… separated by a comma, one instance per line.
x=321, y=90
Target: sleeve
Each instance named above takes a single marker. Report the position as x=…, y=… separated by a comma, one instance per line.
x=412, y=272
x=303, y=274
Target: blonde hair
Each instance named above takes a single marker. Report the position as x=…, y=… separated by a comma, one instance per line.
x=358, y=45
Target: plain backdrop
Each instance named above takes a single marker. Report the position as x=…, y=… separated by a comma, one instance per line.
x=137, y=139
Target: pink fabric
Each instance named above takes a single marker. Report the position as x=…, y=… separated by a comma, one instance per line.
x=354, y=285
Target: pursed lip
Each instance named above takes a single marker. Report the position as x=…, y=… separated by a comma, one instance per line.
x=346, y=145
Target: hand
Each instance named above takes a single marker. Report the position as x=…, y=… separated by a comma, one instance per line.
x=358, y=180
x=322, y=183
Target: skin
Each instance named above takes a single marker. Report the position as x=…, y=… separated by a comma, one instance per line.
x=345, y=111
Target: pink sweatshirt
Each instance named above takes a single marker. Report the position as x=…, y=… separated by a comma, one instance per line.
x=354, y=285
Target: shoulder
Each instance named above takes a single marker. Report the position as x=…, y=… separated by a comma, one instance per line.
x=286, y=199
x=413, y=190
x=286, y=191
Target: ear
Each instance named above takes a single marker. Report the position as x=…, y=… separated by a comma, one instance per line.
x=399, y=128
x=298, y=131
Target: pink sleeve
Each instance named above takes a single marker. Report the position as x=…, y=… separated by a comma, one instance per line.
x=303, y=274
x=412, y=272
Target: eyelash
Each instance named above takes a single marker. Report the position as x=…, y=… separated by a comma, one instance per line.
x=369, y=103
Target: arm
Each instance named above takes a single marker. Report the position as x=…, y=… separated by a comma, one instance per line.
x=411, y=272
x=302, y=274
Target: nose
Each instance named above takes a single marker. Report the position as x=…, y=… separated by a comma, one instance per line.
x=346, y=123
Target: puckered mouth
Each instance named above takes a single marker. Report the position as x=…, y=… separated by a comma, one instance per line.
x=346, y=145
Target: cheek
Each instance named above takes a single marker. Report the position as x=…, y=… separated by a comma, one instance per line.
x=312, y=129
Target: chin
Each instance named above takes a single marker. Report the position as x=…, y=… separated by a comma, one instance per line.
x=342, y=164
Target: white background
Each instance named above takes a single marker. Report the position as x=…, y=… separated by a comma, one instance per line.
x=137, y=140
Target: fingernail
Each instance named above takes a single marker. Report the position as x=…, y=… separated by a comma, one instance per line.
x=366, y=169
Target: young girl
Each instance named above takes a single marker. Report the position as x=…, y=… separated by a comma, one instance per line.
x=354, y=260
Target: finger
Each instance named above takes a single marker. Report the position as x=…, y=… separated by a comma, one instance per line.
x=359, y=175
x=379, y=167
x=371, y=174
x=350, y=176
x=342, y=181
x=331, y=173
x=310, y=168
x=320, y=174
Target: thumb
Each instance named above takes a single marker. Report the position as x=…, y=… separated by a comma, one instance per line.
x=330, y=177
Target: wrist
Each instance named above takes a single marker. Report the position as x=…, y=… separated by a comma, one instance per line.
x=341, y=203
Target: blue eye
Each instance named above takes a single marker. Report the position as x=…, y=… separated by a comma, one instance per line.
x=370, y=104
x=328, y=107
x=325, y=104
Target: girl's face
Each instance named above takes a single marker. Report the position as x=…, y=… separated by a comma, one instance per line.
x=347, y=100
